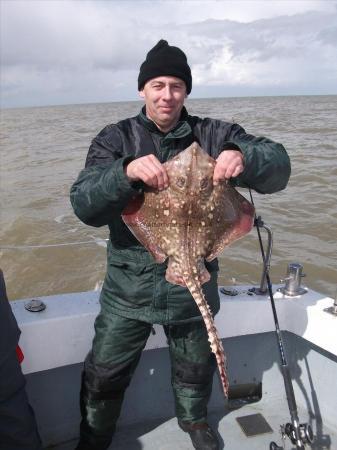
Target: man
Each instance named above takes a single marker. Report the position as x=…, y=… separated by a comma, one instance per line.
x=18, y=429
x=122, y=160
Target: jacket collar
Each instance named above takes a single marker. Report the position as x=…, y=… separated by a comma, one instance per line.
x=181, y=129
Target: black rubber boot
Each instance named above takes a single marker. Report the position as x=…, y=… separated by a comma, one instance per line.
x=90, y=440
x=84, y=445
x=201, y=434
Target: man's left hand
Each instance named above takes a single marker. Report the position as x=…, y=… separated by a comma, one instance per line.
x=229, y=164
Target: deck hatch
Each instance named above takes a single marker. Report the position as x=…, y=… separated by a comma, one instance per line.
x=254, y=424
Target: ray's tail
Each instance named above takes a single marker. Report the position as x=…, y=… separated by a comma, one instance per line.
x=194, y=286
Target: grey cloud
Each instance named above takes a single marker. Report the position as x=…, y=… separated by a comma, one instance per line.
x=82, y=51
x=284, y=36
x=66, y=35
x=329, y=36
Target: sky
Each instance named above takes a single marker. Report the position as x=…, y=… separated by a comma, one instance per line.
x=78, y=51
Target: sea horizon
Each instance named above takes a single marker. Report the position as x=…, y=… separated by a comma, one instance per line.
x=187, y=100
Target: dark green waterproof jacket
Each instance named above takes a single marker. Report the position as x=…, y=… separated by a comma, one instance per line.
x=135, y=285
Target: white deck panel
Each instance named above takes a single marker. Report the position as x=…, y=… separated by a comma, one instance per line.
x=62, y=333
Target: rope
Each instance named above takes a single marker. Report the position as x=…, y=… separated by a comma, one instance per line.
x=65, y=244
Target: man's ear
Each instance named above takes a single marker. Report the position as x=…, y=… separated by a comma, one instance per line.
x=141, y=93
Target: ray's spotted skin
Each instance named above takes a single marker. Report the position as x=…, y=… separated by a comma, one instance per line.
x=190, y=221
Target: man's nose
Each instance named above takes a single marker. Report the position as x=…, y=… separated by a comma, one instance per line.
x=167, y=93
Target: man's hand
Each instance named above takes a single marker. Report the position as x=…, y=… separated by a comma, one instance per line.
x=149, y=170
x=229, y=164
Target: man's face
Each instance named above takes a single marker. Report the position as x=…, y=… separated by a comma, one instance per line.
x=164, y=99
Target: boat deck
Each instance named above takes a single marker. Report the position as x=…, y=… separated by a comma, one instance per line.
x=53, y=372
x=166, y=435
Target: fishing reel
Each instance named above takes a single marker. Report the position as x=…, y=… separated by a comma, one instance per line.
x=306, y=436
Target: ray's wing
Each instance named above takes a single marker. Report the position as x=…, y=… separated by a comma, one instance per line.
x=233, y=218
x=140, y=217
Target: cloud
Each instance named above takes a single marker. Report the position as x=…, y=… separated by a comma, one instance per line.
x=68, y=51
x=285, y=50
x=66, y=34
x=329, y=36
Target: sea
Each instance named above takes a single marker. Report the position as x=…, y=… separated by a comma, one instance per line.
x=46, y=250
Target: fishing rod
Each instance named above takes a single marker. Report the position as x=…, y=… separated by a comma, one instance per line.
x=299, y=434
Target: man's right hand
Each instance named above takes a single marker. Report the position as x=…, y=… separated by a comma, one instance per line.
x=149, y=170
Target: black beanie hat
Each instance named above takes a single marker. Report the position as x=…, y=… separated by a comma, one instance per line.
x=165, y=60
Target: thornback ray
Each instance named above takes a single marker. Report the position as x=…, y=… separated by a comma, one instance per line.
x=191, y=221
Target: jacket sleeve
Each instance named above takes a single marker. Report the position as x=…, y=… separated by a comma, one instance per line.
x=267, y=164
x=102, y=189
